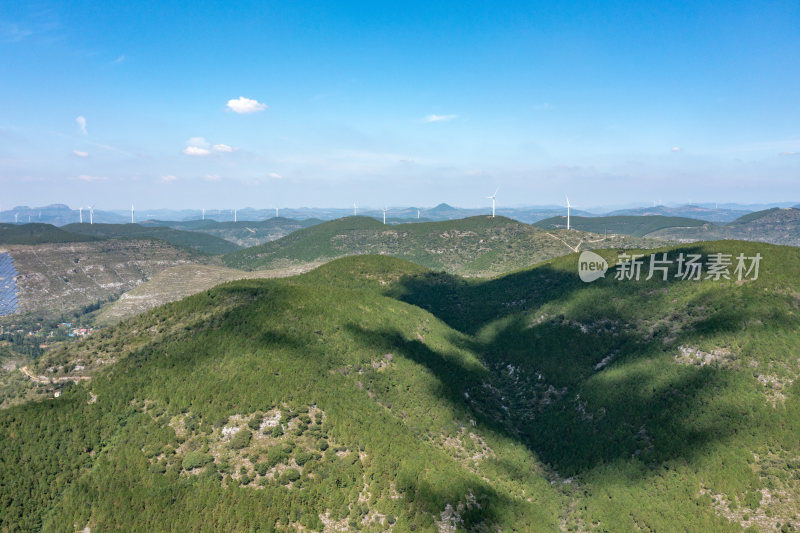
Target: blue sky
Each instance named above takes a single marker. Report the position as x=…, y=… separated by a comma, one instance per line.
x=411, y=103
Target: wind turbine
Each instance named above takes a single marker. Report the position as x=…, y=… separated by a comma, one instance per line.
x=492, y=198
x=80, y=214
x=16, y=218
x=276, y=212
x=417, y=214
x=234, y=214
x=568, y=206
x=91, y=215
x=384, y=214
x=203, y=213
x=355, y=209
x=132, y=214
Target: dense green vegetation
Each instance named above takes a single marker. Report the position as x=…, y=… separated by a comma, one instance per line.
x=475, y=246
x=638, y=226
x=201, y=242
x=372, y=392
x=36, y=233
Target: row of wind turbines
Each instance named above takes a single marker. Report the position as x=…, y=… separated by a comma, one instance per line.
x=493, y=198
x=385, y=209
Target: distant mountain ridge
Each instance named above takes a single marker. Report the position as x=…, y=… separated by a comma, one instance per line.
x=686, y=211
x=60, y=214
x=775, y=226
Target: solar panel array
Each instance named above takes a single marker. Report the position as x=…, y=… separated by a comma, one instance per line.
x=8, y=285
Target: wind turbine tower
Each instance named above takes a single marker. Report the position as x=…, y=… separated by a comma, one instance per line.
x=203, y=213
x=568, y=206
x=276, y=212
x=355, y=209
x=384, y=214
x=417, y=214
x=91, y=215
x=132, y=214
x=234, y=214
x=80, y=214
x=492, y=198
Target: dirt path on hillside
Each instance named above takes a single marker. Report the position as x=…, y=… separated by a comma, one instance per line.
x=47, y=381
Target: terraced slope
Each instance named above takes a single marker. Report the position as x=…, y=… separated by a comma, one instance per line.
x=371, y=394
x=176, y=283
x=54, y=279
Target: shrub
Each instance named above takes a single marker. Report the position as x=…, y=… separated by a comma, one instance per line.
x=194, y=460
x=289, y=475
x=255, y=422
x=302, y=457
x=241, y=439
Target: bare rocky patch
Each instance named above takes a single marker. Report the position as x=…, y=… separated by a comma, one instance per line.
x=694, y=356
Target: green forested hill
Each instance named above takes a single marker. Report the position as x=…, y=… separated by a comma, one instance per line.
x=201, y=242
x=372, y=394
x=638, y=226
x=35, y=233
x=475, y=246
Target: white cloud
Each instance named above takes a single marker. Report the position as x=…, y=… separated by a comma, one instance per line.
x=440, y=118
x=246, y=105
x=212, y=177
x=197, y=141
x=78, y=153
x=196, y=150
x=168, y=178
x=86, y=177
x=789, y=153
x=275, y=175
x=81, y=120
x=676, y=149
x=120, y=59
x=223, y=148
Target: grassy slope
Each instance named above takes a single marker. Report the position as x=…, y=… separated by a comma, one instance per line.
x=36, y=233
x=201, y=242
x=654, y=440
x=638, y=226
x=475, y=246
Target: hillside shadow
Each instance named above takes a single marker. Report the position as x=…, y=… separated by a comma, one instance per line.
x=467, y=305
x=541, y=384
